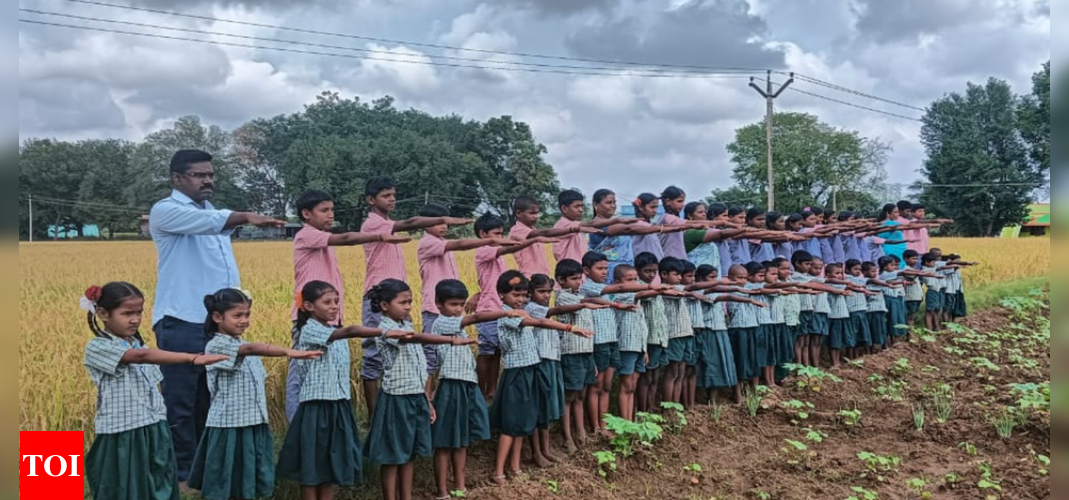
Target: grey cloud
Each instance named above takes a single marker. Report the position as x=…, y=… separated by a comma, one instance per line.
x=562, y=7
x=1043, y=9
x=716, y=33
x=67, y=105
x=888, y=21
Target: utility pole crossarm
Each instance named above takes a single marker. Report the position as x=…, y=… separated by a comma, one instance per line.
x=770, y=96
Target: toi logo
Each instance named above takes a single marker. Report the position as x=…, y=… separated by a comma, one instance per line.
x=52, y=465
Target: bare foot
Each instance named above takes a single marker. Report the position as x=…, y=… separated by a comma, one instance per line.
x=606, y=433
x=499, y=480
x=570, y=448
x=552, y=456
x=541, y=462
x=581, y=438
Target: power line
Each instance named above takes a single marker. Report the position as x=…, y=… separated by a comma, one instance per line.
x=351, y=56
x=614, y=71
x=840, y=88
x=853, y=105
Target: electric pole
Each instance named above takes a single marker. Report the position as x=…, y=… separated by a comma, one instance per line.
x=770, y=96
x=31, y=217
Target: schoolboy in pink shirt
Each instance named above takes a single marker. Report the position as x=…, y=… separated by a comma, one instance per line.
x=574, y=245
x=385, y=262
x=532, y=259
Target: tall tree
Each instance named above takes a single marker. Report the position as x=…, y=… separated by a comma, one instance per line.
x=1034, y=117
x=53, y=172
x=813, y=161
x=513, y=164
x=973, y=139
x=100, y=195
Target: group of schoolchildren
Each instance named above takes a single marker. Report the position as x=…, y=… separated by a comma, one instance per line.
x=662, y=304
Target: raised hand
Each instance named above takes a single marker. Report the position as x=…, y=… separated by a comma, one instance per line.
x=503, y=242
x=208, y=359
x=586, y=334
x=261, y=221
x=394, y=239
x=295, y=354
x=457, y=221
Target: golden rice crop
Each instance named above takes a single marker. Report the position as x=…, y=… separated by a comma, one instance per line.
x=55, y=393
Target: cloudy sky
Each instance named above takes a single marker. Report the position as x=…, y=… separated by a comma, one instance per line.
x=630, y=133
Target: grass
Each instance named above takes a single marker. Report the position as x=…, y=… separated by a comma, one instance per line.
x=989, y=296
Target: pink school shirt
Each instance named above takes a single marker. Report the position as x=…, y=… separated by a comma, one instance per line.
x=384, y=261
x=909, y=235
x=672, y=243
x=571, y=246
x=489, y=267
x=923, y=244
x=435, y=265
x=315, y=260
x=531, y=260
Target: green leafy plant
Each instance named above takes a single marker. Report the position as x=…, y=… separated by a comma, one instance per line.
x=678, y=420
x=628, y=435
x=811, y=377
x=984, y=364
x=754, y=397
x=1045, y=462
x=799, y=410
x=987, y=478
x=606, y=463
x=1033, y=397
x=919, y=487
x=695, y=471
x=942, y=402
x=552, y=486
x=815, y=436
x=863, y=494
x=716, y=411
x=895, y=391
x=856, y=363
x=879, y=464
x=951, y=479
x=1005, y=422
x=918, y=418
x=852, y=418
x=763, y=495
x=968, y=448
x=902, y=367
x=797, y=453
x=875, y=378
x=458, y=494
x=957, y=351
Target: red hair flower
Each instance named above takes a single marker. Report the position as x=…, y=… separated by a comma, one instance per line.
x=93, y=293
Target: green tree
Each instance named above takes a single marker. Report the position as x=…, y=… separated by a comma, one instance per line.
x=813, y=161
x=1034, y=116
x=512, y=165
x=101, y=200
x=52, y=171
x=973, y=138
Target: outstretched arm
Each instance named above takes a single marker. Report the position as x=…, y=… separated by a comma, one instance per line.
x=487, y=316
x=505, y=250
x=416, y=223
x=550, y=324
x=354, y=239
x=472, y=244
x=270, y=351
x=428, y=339
x=168, y=358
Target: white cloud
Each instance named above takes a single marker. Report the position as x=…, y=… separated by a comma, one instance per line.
x=603, y=94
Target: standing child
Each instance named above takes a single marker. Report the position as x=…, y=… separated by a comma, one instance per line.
x=914, y=290
x=898, y=316
x=802, y=261
x=235, y=459
x=532, y=260
x=716, y=361
x=858, y=304
x=792, y=313
x=843, y=331
x=384, y=261
x=314, y=259
x=821, y=312
x=634, y=333
x=517, y=395
x=618, y=241
x=757, y=277
x=742, y=329
x=322, y=447
x=132, y=457
x=694, y=302
x=577, y=355
x=935, y=298
x=572, y=205
x=647, y=266
x=680, y=331
x=401, y=427
x=877, y=313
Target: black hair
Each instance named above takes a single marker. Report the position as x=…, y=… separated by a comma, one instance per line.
x=807, y=214
x=221, y=302
x=885, y=214
x=918, y=206
x=794, y=219
x=779, y=261
x=386, y=291
x=690, y=208
x=433, y=210
x=817, y=211
x=592, y=258
x=488, y=222
x=671, y=193
x=884, y=262
x=704, y=272
x=852, y=263
x=905, y=206
x=182, y=160
x=311, y=292
x=311, y=199
x=568, y=197
x=601, y=194
x=670, y=265
x=450, y=290
x=845, y=216
x=833, y=267
x=735, y=211
x=112, y=296
x=928, y=258
x=643, y=200
x=755, y=267
x=911, y=254
x=645, y=259
x=524, y=203
x=868, y=266
x=817, y=258
x=715, y=210
x=541, y=281
x=512, y=281
x=376, y=185
x=800, y=257
x=689, y=267
x=620, y=271
x=568, y=268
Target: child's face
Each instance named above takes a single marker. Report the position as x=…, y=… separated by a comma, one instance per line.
x=235, y=321
x=855, y=271
x=890, y=267
x=628, y=277
x=598, y=273
x=689, y=278
x=816, y=268
x=438, y=231
x=738, y=276
x=780, y=224
x=912, y=261
x=810, y=221
x=803, y=267
x=325, y=309
x=920, y=213
x=400, y=308
x=700, y=213
x=452, y=308
x=607, y=207
x=321, y=217
x=648, y=274
x=496, y=233
x=530, y=216
x=649, y=210
x=785, y=271
x=759, y=277
x=124, y=321
x=739, y=219
x=541, y=295
x=759, y=222
x=836, y=273
x=671, y=278
x=872, y=273
x=384, y=202
x=571, y=283
x=676, y=206
x=572, y=211
x=516, y=299
x=772, y=276
x=937, y=253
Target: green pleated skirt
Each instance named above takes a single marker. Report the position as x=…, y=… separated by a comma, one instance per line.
x=515, y=410
x=322, y=446
x=235, y=463
x=138, y=464
x=748, y=364
x=783, y=338
x=550, y=392
x=463, y=417
x=400, y=430
x=862, y=333
x=716, y=360
x=766, y=352
x=961, y=306
x=821, y=325
x=897, y=317
x=842, y=334
x=878, y=327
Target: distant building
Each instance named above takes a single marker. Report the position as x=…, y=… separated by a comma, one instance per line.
x=69, y=233
x=1036, y=225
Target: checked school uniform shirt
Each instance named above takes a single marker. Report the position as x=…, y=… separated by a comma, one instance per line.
x=457, y=362
x=128, y=396
x=792, y=309
x=574, y=344
x=839, y=307
x=822, y=302
x=777, y=309
x=893, y=291
x=806, y=302
x=914, y=290
x=604, y=319
x=764, y=314
x=656, y=320
x=858, y=302
x=936, y=284
x=548, y=341
x=239, y=398
x=743, y=315
x=631, y=325
x=326, y=378
x=519, y=347
x=679, y=323
x=404, y=365
x=715, y=314
x=696, y=313
x=877, y=304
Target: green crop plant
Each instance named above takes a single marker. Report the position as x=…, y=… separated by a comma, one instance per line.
x=987, y=478
x=678, y=420
x=1005, y=422
x=863, y=494
x=628, y=435
x=606, y=463
x=811, y=377
x=799, y=410
x=902, y=367
x=919, y=418
x=754, y=397
x=852, y=418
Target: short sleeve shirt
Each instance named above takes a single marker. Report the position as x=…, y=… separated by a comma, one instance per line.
x=604, y=319
x=743, y=315
x=519, y=348
x=548, y=341
x=128, y=396
x=672, y=243
x=792, y=308
x=839, y=308
x=936, y=284
x=315, y=260
x=574, y=344
x=327, y=378
x=822, y=302
x=239, y=398
x=715, y=314
x=858, y=302
x=777, y=309
x=404, y=365
x=571, y=246
x=384, y=261
x=435, y=264
x=531, y=260
x=696, y=312
x=896, y=292
x=678, y=315
x=489, y=267
x=647, y=243
x=656, y=320
x=914, y=290
x=457, y=362
x=764, y=314
x=631, y=325
x=877, y=303
x=805, y=302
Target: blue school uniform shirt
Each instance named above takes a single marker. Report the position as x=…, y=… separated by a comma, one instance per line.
x=853, y=246
x=806, y=303
x=764, y=314
x=678, y=315
x=726, y=259
x=404, y=365
x=896, y=292
x=792, y=309
x=742, y=314
x=838, y=248
x=858, y=302
x=785, y=250
x=574, y=344
x=839, y=307
x=548, y=340
x=456, y=362
x=715, y=314
x=877, y=303
x=740, y=253
x=631, y=325
x=604, y=319
x=822, y=302
x=696, y=313
x=329, y=377
x=656, y=320
x=935, y=284
x=519, y=349
x=128, y=396
x=914, y=290
x=826, y=251
x=777, y=309
x=762, y=252
x=239, y=397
